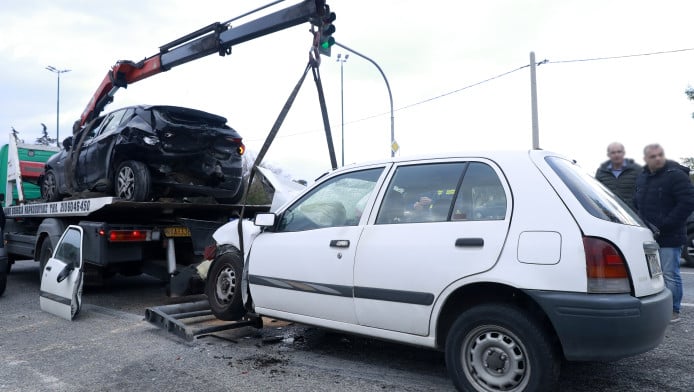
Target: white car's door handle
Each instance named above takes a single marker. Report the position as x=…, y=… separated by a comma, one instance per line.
x=339, y=243
x=469, y=242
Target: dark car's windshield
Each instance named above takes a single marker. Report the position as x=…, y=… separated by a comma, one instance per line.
x=592, y=195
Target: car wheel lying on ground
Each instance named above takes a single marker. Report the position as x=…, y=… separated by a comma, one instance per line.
x=507, y=261
x=141, y=153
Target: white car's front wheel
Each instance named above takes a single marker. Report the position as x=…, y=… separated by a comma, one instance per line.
x=497, y=347
x=223, y=287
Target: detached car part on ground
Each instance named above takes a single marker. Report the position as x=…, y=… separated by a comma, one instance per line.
x=140, y=153
x=517, y=260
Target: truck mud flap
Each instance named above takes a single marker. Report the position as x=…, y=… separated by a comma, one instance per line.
x=193, y=320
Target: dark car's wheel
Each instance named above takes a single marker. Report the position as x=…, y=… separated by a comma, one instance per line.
x=497, y=347
x=223, y=287
x=49, y=187
x=133, y=182
x=45, y=253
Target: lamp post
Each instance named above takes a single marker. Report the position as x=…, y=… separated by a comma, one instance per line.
x=57, y=110
x=393, y=144
x=342, y=61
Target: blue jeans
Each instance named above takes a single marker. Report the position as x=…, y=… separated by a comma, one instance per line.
x=670, y=261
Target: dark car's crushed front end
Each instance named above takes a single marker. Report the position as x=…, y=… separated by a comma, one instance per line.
x=188, y=152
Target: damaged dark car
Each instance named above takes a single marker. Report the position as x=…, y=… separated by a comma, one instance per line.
x=142, y=153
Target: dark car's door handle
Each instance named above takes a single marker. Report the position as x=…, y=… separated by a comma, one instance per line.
x=339, y=243
x=469, y=242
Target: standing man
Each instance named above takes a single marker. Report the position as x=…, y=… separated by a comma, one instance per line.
x=619, y=174
x=665, y=198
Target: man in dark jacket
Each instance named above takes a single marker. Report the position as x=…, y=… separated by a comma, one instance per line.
x=665, y=198
x=619, y=174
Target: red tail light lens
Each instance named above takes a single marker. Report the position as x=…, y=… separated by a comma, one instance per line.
x=605, y=267
x=241, y=148
x=128, y=235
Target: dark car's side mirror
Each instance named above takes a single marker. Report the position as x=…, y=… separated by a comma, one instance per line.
x=67, y=143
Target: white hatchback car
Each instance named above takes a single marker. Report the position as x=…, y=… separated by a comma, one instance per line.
x=508, y=261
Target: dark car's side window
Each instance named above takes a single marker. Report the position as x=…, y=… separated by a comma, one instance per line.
x=112, y=121
x=340, y=201
x=481, y=195
x=421, y=193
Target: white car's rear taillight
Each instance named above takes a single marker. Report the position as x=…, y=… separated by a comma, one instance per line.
x=605, y=267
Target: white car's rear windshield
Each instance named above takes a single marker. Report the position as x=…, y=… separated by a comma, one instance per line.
x=592, y=195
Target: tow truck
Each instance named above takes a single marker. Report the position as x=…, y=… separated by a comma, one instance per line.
x=158, y=237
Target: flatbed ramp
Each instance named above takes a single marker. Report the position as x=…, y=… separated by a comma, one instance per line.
x=191, y=320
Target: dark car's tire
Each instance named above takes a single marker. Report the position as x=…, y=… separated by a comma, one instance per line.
x=49, y=187
x=132, y=181
x=45, y=253
x=498, y=347
x=223, y=287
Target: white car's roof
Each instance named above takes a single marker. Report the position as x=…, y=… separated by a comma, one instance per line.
x=500, y=155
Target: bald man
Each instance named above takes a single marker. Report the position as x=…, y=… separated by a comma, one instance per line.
x=619, y=174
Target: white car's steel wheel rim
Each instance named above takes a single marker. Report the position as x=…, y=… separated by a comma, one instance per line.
x=226, y=283
x=494, y=359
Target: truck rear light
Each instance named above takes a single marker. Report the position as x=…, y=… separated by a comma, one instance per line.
x=606, y=268
x=128, y=235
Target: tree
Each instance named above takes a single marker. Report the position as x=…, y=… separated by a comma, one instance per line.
x=45, y=139
x=690, y=94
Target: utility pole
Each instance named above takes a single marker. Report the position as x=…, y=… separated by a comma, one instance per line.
x=533, y=102
x=57, y=111
x=342, y=61
x=393, y=144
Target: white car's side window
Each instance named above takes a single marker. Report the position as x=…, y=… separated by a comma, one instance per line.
x=421, y=193
x=481, y=195
x=425, y=193
x=339, y=201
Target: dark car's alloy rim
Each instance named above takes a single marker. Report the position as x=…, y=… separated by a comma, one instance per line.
x=49, y=186
x=126, y=183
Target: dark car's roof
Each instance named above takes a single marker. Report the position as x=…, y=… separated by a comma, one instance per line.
x=184, y=111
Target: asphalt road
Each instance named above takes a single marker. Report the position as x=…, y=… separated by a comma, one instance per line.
x=110, y=347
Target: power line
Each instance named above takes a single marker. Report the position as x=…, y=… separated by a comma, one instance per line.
x=621, y=57
x=500, y=76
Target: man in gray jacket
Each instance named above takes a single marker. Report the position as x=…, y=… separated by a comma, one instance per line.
x=619, y=174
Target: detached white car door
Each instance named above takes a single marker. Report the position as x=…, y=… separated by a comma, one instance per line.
x=305, y=265
x=61, y=281
x=437, y=223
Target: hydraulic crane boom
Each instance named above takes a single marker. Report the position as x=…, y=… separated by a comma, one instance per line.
x=215, y=38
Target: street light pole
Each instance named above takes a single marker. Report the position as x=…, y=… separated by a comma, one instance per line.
x=342, y=61
x=57, y=111
x=390, y=95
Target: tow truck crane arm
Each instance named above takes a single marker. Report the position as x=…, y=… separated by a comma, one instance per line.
x=215, y=38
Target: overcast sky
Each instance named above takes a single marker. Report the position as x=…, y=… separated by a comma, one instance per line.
x=426, y=49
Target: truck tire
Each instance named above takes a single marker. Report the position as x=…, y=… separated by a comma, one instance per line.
x=49, y=187
x=45, y=253
x=223, y=287
x=132, y=181
x=497, y=347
